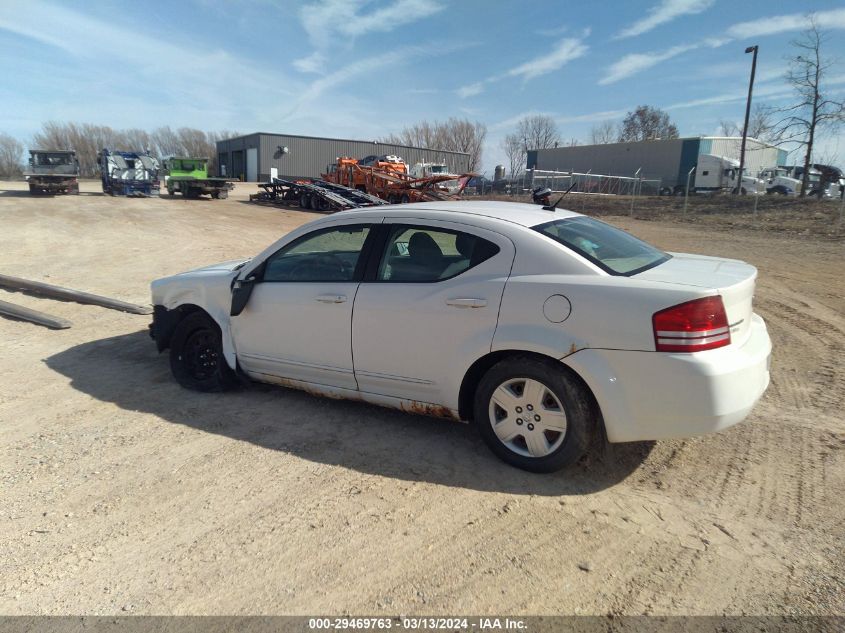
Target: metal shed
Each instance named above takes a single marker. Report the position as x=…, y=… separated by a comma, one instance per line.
x=666, y=159
x=253, y=156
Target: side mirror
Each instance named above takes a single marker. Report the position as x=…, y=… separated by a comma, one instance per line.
x=241, y=291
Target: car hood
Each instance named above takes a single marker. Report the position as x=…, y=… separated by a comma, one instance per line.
x=221, y=267
x=192, y=286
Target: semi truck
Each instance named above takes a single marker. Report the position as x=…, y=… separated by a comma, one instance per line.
x=716, y=174
x=189, y=176
x=52, y=171
x=825, y=181
x=129, y=173
x=427, y=170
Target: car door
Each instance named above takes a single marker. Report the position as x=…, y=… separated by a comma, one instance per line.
x=298, y=322
x=428, y=309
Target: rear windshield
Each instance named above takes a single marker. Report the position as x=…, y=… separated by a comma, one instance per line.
x=612, y=249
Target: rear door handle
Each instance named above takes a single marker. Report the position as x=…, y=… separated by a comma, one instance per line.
x=467, y=303
x=331, y=298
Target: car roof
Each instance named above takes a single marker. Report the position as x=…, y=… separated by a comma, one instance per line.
x=514, y=212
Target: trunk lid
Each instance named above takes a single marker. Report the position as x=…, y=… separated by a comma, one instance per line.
x=733, y=279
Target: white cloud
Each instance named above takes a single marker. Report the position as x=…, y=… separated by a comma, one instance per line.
x=130, y=90
x=470, y=90
x=563, y=53
x=367, y=66
x=313, y=63
x=833, y=19
x=637, y=62
x=325, y=20
x=665, y=12
x=592, y=117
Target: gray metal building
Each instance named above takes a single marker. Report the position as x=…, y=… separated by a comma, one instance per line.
x=252, y=157
x=666, y=159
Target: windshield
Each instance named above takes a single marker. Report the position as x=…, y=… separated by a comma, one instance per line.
x=612, y=249
x=437, y=169
x=48, y=160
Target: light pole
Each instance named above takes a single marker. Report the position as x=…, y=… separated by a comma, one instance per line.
x=750, y=49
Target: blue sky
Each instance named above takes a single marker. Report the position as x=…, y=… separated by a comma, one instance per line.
x=364, y=69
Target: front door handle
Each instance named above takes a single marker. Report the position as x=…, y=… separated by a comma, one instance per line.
x=331, y=298
x=467, y=303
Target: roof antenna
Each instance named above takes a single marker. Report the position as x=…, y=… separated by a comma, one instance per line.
x=553, y=207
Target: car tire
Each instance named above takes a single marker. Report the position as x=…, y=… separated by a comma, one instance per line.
x=196, y=355
x=551, y=391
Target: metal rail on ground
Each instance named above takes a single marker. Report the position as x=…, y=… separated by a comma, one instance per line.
x=33, y=316
x=58, y=292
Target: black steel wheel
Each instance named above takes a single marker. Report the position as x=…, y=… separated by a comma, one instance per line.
x=196, y=355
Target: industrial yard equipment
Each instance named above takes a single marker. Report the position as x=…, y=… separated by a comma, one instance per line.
x=189, y=176
x=129, y=173
x=52, y=171
x=319, y=195
x=394, y=185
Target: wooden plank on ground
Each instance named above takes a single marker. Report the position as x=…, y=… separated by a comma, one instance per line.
x=58, y=292
x=34, y=316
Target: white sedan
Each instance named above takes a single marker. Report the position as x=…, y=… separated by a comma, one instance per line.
x=543, y=327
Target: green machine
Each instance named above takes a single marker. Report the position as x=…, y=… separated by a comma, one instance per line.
x=189, y=176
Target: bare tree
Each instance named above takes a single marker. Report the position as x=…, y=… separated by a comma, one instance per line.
x=454, y=135
x=11, y=151
x=467, y=137
x=87, y=140
x=761, y=126
x=813, y=112
x=729, y=128
x=514, y=149
x=646, y=123
x=538, y=131
x=422, y=134
x=604, y=133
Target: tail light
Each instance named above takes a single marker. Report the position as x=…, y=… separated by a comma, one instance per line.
x=693, y=326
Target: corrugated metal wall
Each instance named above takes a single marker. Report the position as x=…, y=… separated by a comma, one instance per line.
x=307, y=157
x=658, y=159
x=668, y=160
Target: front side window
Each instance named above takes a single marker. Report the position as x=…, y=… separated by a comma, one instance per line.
x=426, y=254
x=324, y=255
x=612, y=249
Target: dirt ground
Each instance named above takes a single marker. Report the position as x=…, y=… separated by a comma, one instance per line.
x=123, y=493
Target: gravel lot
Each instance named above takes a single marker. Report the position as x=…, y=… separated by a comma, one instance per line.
x=123, y=493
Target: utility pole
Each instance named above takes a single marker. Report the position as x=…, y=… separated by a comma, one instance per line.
x=750, y=49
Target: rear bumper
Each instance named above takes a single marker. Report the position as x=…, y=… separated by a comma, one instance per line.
x=653, y=395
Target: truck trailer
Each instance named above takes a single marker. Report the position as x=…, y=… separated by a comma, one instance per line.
x=52, y=171
x=129, y=173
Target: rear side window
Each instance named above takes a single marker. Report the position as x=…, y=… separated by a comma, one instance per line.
x=612, y=249
x=427, y=254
